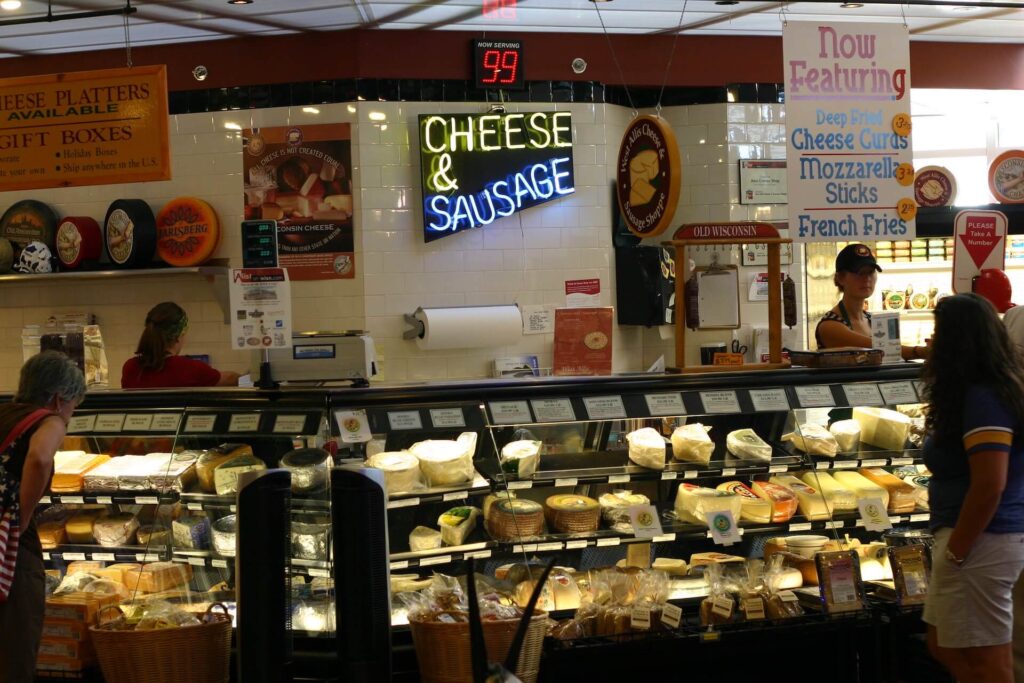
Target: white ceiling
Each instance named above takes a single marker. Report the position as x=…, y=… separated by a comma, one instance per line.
x=182, y=21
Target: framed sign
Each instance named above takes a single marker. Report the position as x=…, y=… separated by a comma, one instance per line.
x=763, y=181
x=648, y=175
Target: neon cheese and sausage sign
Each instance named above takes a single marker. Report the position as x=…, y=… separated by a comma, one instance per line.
x=479, y=168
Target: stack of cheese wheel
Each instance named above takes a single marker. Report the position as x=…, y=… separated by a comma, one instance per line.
x=571, y=513
x=510, y=519
x=79, y=239
x=129, y=232
x=188, y=232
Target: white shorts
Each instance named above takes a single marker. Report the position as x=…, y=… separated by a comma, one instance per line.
x=972, y=605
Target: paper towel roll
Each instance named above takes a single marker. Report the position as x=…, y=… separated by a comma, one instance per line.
x=469, y=327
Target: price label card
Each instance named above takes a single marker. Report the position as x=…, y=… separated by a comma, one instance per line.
x=147, y=557
x=690, y=474
x=553, y=410
x=514, y=485
x=194, y=506
x=81, y=423
x=845, y=464
x=640, y=618
x=447, y=418
x=720, y=402
x=478, y=555
x=671, y=615
x=405, y=419
x=147, y=500
x=880, y=462
x=403, y=503
x=110, y=422
x=220, y=564
x=659, y=405
x=138, y=423
x=753, y=608
x=769, y=400
x=835, y=524
x=668, y=476
x=197, y=561
x=618, y=478
x=399, y=564
x=103, y=557
x=800, y=526
x=166, y=422
x=898, y=462
x=920, y=517
x=104, y=500
x=604, y=407
x=545, y=547
x=776, y=469
x=873, y=512
x=456, y=495
x=645, y=520
x=353, y=426
x=822, y=465
x=72, y=500
x=862, y=395
x=728, y=471
x=440, y=559
x=244, y=422
x=196, y=424
x=567, y=481
x=73, y=556
x=290, y=424
x=817, y=396
x=317, y=571
x=723, y=606
x=510, y=412
x=575, y=545
x=604, y=542
x=724, y=529
x=45, y=500
x=664, y=538
x=896, y=393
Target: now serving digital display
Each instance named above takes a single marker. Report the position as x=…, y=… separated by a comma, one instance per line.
x=477, y=168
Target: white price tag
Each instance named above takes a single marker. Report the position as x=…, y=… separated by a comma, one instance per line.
x=353, y=426
x=618, y=478
x=720, y=402
x=147, y=500
x=728, y=471
x=666, y=538
x=403, y=503
x=920, y=517
x=456, y=495
x=659, y=405
x=104, y=500
x=690, y=474
x=45, y=500
x=197, y=561
x=835, y=524
x=604, y=407
x=103, y=557
x=822, y=465
x=405, y=419
x=640, y=618
x=604, y=542
x=671, y=615
x=81, y=423
x=899, y=462
x=896, y=393
x=197, y=424
x=477, y=555
x=72, y=500
x=817, y=396
x=510, y=412
x=71, y=557
x=290, y=424
x=138, y=423
x=723, y=527
x=769, y=400
x=547, y=547
x=447, y=418
x=645, y=521
x=440, y=559
x=800, y=526
x=567, y=481
x=244, y=422
x=319, y=572
x=575, y=545
x=525, y=548
x=753, y=608
x=862, y=395
x=46, y=556
x=147, y=557
x=553, y=410
x=399, y=564
x=219, y=564
x=775, y=469
x=844, y=465
x=873, y=513
x=166, y=422
x=519, y=484
x=668, y=476
x=194, y=506
x=873, y=463
x=110, y=422
x=723, y=606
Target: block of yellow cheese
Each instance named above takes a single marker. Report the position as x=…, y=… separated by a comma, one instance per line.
x=862, y=487
x=902, y=497
x=158, y=576
x=810, y=500
x=838, y=497
x=882, y=427
x=70, y=467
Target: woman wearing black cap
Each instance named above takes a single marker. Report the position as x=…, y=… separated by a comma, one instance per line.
x=848, y=324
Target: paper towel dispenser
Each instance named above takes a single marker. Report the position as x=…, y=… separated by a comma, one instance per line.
x=326, y=357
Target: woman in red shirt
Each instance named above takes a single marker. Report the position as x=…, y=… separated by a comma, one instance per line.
x=156, y=363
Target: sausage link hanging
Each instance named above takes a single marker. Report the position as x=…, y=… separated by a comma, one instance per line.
x=692, y=291
x=789, y=301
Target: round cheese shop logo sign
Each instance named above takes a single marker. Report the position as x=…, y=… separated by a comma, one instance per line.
x=934, y=186
x=648, y=176
x=1006, y=177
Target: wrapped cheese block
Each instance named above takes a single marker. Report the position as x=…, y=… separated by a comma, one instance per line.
x=82, y=567
x=80, y=608
x=524, y=589
x=104, y=477
x=446, y=463
x=311, y=541
x=881, y=427
x=153, y=534
x=615, y=508
x=158, y=576
x=754, y=509
x=694, y=503
x=511, y=519
x=671, y=566
x=782, y=499
x=747, y=445
x=862, y=487
x=401, y=470
x=191, y=532
x=309, y=468
x=51, y=534
x=519, y=459
x=79, y=527
x=211, y=459
x=565, y=590
x=692, y=443
x=117, y=572
x=647, y=448
x=902, y=497
x=572, y=513
x=838, y=496
x=223, y=535
x=69, y=468
x=171, y=471
x=813, y=439
x=115, y=530
x=847, y=433
x=919, y=480
x=701, y=559
x=786, y=578
x=456, y=524
x=424, y=538
x=225, y=476
x=810, y=500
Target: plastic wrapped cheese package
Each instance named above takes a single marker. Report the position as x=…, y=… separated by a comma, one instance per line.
x=847, y=433
x=225, y=476
x=160, y=471
x=520, y=458
x=862, y=487
x=647, y=448
x=51, y=534
x=692, y=443
x=424, y=538
x=783, y=500
x=70, y=467
x=881, y=427
x=754, y=508
x=153, y=534
x=615, y=508
x=810, y=500
x=401, y=470
x=311, y=541
x=456, y=524
x=209, y=461
x=105, y=477
x=115, y=530
x=446, y=463
x=919, y=479
x=309, y=468
x=902, y=496
x=694, y=503
x=191, y=532
x=838, y=497
x=747, y=445
x=813, y=439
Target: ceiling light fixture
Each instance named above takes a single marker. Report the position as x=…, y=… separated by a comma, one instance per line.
x=239, y=2
x=964, y=8
x=10, y=4
x=727, y=2
x=851, y=5
x=311, y=110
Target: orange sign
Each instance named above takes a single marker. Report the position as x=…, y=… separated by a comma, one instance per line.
x=583, y=341
x=84, y=128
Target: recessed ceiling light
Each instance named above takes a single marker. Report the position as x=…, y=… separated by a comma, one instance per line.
x=311, y=110
x=10, y=4
x=727, y=2
x=851, y=5
x=964, y=8
x=239, y=2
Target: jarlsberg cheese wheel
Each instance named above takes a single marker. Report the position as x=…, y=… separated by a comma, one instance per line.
x=78, y=239
x=129, y=232
x=187, y=232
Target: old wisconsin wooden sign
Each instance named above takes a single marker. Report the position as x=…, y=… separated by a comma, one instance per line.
x=648, y=175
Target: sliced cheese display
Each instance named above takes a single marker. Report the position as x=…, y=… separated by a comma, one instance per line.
x=446, y=463
x=520, y=458
x=838, y=496
x=225, y=476
x=130, y=233
x=783, y=500
x=813, y=439
x=754, y=508
x=158, y=576
x=209, y=460
x=692, y=443
x=701, y=559
x=747, y=445
x=187, y=232
x=424, y=538
x=191, y=532
x=69, y=468
x=647, y=448
x=115, y=530
x=511, y=519
x=615, y=508
x=902, y=497
x=847, y=433
x=861, y=486
x=694, y=503
x=401, y=470
x=572, y=513
x=881, y=427
x=159, y=471
x=457, y=523
x=79, y=239
x=810, y=500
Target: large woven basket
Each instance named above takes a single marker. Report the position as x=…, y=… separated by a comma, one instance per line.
x=192, y=654
x=443, y=649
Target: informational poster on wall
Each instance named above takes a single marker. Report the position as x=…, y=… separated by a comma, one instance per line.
x=583, y=341
x=849, y=152
x=261, y=308
x=300, y=176
x=84, y=128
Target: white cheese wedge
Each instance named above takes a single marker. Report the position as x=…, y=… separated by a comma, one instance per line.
x=882, y=427
x=424, y=538
x=839, y=497
x=691, y=442
x=457, y=524
x=647, y=448
x=813, y=439
x=401, y=470
x=861, y=486
x=520, y=458
x=747, y=445
x=694, y=503
x=446, y=463
x=847, y=433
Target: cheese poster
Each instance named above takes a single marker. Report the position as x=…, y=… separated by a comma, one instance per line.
x=84, y=128
x=849, y=157
x=583, y=341
x=301, y=177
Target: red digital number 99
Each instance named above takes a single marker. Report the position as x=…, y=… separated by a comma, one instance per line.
x=499, y=61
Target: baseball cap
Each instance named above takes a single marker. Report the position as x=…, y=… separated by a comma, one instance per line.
x=853, y=257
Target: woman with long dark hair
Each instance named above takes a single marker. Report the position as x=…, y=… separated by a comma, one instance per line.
x=974, y=386
x=157, y=363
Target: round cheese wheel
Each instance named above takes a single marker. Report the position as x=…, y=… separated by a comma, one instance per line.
x=1006, y=177
x=78, y=240
x=187, y=232
x=6, y=255
x=129, y=233
x=29, y=221
x=571, y=502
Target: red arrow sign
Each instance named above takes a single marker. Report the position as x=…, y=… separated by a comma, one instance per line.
x=980, y=238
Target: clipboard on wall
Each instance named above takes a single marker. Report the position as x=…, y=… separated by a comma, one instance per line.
x=718, y=298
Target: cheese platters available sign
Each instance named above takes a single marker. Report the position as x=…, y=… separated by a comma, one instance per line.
x=849, y=153
x=478, y=168
x=648, y=175
x=300, y=176
x=261, y=308
x=980, y=243
x=84, y=128
x=583, y=341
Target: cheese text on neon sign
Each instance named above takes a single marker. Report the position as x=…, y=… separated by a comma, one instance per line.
x=494, y=132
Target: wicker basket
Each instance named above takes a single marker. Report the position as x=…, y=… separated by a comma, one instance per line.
x=443, y=649
x=196, y=654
